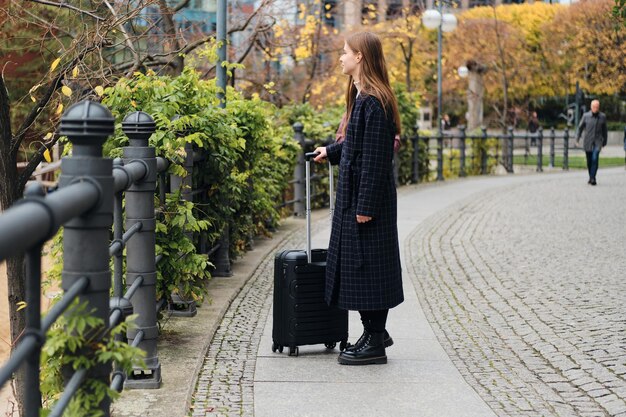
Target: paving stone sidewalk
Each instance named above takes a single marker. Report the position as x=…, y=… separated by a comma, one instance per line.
x=525, y=287
x=503, y=315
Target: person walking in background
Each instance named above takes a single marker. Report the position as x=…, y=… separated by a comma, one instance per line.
x=363, y=269
x=593, y=126
x=445, y=122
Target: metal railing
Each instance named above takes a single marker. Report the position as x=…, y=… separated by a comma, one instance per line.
x=87, y=203
x=483, y=150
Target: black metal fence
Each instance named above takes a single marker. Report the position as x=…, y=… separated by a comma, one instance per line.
x=453, y=154
x=88, y=201
x=460, y=154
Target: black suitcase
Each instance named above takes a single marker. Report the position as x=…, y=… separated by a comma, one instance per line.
x=301, y=316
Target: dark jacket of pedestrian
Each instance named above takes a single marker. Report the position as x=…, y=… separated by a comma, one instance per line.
x=593, y=129
x=363, y=265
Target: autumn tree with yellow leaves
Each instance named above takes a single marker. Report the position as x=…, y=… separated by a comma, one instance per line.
x=508, y=43
x=297, y=60
x=585, y=46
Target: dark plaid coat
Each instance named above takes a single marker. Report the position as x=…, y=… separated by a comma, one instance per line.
x=363, y=265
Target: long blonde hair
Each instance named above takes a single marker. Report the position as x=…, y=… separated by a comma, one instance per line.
x=374, y=79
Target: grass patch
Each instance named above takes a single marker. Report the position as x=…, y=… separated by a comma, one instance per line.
x=574, y=162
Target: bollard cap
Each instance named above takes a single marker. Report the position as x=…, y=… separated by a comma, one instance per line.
x=139, y=126
x=87, y=123
x=298, y=127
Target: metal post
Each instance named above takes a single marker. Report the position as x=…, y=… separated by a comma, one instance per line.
x=439, y=112
x=221, y=51
x=415, y=166
x=462, y=172
x=140, y=250
x=118, y=232
x=552, y=145
x=510, y=150
x=566, y=149
x=222, y=256
x=87, y=125
x=526, y=147
x=32, y=395
x=299, y=208
x=483, y=152
x=440, y=156
x=540, y=149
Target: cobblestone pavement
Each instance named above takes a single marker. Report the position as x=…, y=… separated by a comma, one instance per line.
x=225, y=384
x=525, y=289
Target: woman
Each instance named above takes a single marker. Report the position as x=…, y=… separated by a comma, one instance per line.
x=363, y=264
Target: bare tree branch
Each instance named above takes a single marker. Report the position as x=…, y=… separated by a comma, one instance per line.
x=67, y=6
x=180, y=5
x=34, y=162
x=129, y=42
x=168, y=19
x=53, y=86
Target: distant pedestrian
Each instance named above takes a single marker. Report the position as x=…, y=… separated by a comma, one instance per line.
x=593, y=126
x=445, y=122
x=533, y=127
x=363, y=269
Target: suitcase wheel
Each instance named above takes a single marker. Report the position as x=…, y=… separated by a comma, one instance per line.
x=343, y=345
x=293, y=351
x=330, y=345
x=277, y=347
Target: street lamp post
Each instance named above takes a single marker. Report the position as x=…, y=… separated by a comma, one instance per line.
x=436, y=19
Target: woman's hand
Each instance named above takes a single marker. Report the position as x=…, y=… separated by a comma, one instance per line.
x=362, y=219
x=322, y=154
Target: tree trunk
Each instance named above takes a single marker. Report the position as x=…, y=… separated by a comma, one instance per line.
x=10, y=192
x=17, y=320
x=475, y=94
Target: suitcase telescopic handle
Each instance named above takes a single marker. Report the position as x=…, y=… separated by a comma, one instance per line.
x=308, y=156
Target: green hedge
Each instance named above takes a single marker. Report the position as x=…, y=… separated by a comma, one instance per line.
x=248, y=162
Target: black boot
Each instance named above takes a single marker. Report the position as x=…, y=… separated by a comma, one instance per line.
x=387, y=342
x=372, y=351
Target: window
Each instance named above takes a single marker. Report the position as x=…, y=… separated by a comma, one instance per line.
x=394, y=9
x=477, y=3
x=329, y=12
x=369, y=11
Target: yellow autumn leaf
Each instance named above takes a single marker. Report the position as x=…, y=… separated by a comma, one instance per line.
x=46, y=156
x=133, y=103
x=75, y=72
x=21, y=305
x=48, y=136
x=33, y=99
x=66, y=91
x=99, y=90
x=59, y=108
x=55, y=64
